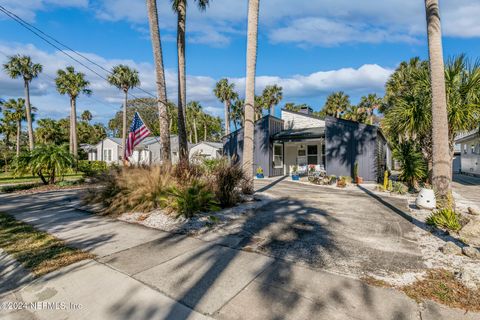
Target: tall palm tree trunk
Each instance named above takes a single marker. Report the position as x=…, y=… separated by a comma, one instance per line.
x=441, y=171
x=205, y=131
x=252, y=34
x=29, y=116
x=195, y=130
x=227, y=117
x=70, y=130
x=182, y=90
x=19, y=131
x=74, y=128
x=124, y=127
x=160, y=77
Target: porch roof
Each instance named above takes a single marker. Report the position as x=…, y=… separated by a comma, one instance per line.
x=300, y=134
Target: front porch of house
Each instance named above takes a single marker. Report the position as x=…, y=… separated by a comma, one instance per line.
x=301, y=148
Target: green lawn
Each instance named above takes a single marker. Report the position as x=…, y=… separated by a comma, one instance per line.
x=7, y=178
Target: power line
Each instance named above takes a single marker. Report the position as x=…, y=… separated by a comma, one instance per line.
x=42, y=35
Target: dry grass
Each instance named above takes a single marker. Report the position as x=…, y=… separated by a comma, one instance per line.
x=37, y=251
x=376, y=282
x=441, y=286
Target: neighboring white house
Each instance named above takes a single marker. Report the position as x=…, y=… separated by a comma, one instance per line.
x=148, y=152
x=108, y=150
x=469, y=152
x=206, y=150
x=301, y=120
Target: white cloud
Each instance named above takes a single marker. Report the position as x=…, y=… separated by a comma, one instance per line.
x=26, y=9
x=307, y=22
x=106, y=99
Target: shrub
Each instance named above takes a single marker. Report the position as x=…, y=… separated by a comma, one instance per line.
x=412, y=164
x=210, y=164
x=444, y=218
x=390, y=185
x=227, y=178
x=259, y=170
x=385, y=180
x=193, y=198
x=399, y=188
x=92, y=168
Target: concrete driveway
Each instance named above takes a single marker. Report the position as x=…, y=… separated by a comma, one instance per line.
x=468, y=187
x=346, y=231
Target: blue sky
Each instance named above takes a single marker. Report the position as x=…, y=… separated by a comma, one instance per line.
x=310, y=48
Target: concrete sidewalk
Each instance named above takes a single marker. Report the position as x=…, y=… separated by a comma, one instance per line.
x=142, y=273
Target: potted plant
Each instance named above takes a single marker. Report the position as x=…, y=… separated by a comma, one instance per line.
x=341, y=182
x=358, y=179
x=295, y=175
x=260, y=173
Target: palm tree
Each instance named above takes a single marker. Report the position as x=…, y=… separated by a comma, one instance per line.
x=259, y=107
x=225, y=92
x=442, y=170
x=22, y=66
x=337, y=103
x=369, y=104
x=124, y=78
x=180, y=8
x=356, y=113
x=160, y=77
x=17, y=114
x=73, y=84
x=86, y=116
x=49, y=131
x=252, y=38
x=272, y=95
x=236, y=113
x=196, y=111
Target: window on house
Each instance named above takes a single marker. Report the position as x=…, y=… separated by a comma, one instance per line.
x=278, y=156
x=312, y=154
x=472, y=147
x=107, y=155
x=465, y=149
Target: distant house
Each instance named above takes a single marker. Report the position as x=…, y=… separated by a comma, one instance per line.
x=147, y=152
x=469, y=149
x=301, y=139
x=206, y=150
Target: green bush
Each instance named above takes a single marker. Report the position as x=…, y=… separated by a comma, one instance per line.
x=412, y=164
x=444, y=218
x=191, y=199
x=92, y=168
x=399, y=188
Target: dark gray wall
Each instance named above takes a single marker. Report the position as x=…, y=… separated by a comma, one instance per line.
x=347, y=142
x=264, y=129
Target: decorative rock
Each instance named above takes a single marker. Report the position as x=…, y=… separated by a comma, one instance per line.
x=469, y=278
x=426, y=199
x=473, y=211
x=471, y=252
x=471, y=232
x=451, y=248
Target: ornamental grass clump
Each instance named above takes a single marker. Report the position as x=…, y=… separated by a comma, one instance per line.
x=227, y=182
x=445, y=218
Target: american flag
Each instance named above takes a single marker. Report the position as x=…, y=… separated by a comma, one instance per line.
x=138, y=132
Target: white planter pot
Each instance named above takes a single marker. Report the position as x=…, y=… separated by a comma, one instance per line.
x=426, y=199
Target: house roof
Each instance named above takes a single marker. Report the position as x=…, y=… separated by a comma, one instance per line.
x=216, y=145
x=465, y=136
x=304, y=133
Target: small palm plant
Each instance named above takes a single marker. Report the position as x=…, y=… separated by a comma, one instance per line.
x=17, y=114
x=444, y=218
x=47, y=161
x=412, y=164
x=192, y=199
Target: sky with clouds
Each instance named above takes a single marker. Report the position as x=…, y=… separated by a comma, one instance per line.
x=310, y=48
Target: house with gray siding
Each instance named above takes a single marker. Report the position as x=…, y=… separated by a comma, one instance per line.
x=302, y=139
